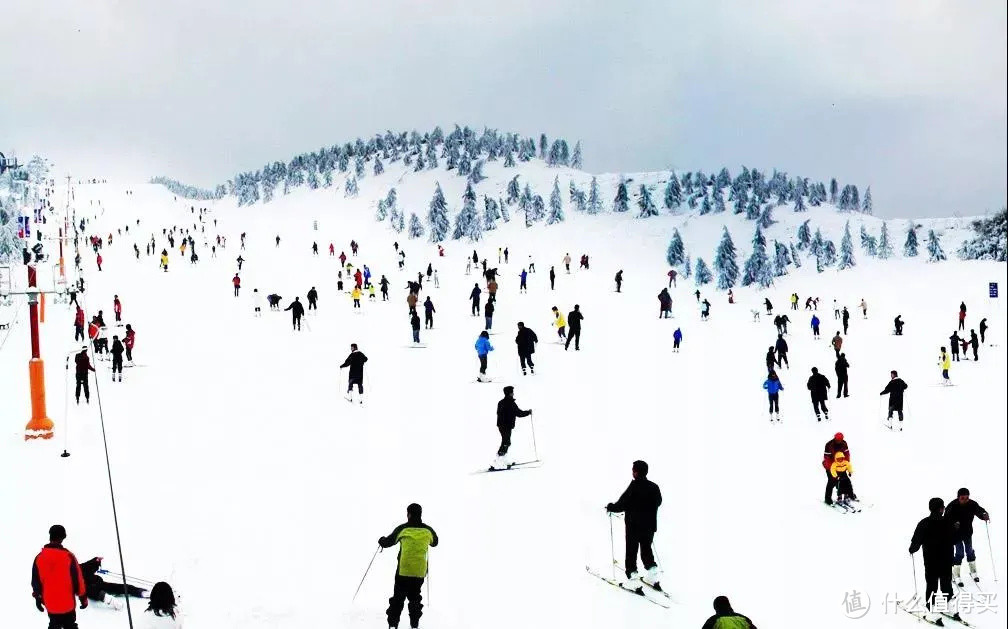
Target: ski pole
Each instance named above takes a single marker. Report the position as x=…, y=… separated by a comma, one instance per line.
x=535, y=450
x=612, y=547
x=914, y=566
x=377, y=550
x=991, y=549
x=66, y=403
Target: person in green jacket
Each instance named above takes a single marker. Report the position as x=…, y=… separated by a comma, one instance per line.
x=414, y=538
x=726, y=618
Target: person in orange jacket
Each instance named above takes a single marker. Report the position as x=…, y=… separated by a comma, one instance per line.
x=56, y=580
x=237, y=283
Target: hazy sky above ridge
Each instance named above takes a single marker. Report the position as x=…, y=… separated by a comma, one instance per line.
x=908, y=96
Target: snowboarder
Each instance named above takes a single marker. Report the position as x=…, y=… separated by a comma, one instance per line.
x=355, y=361
x=619, y=280
x=82, y=366
x=640, y=502
x=117, y=308
x=935, y=535
x=560, y=322
x=415, y=539
x=960, y=512
x=415, y=325
x=297, y=311
x=488, y=311
x=818, y=386
x=894, y=389
x=769, y=306
x=676, y=339
x=705, y=309
x=773, y=388
x=946, y=364
x=129, y=341
x=483, y=348
x=845, y=319
x=312, y=299
x=507, y=413
x=898, y=325
x=56, y=580
x=841, y=471
x=117, y=357
x=574, y=319
x=429, y=311
x=236, y=282
x=815, y=326
x=664, y=304
x=782, y=349
x=526, y=340
x=841, y=367
x=836, y=445
x=732, y=620
x=962, y=316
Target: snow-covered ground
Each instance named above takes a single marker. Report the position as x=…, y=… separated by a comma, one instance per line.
x=245, y=479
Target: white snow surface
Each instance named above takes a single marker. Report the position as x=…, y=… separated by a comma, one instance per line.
x=244, y=478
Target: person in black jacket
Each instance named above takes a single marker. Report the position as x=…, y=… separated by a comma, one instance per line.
x=895, y=390
x=428, y=307
x=960, y=512
x=526, y=341
x=771, y=359
x=818, y=385
x=955, y=342
x=619, y=280
x=723, y=609
x=782, y=350
x=507, y=413
x=355, y=361
x=297, y=311
x=574, y=319
x=640, y=503
x=82, y=365
x=488, y=311
x=312, y=299
x=975, y=344
x=117, y=355
x=841, y=367
x=935, y=535
x=898, y=325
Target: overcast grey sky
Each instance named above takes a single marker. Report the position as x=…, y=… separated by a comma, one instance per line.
x=908, y=96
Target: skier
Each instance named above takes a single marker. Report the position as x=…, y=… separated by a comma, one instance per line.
x=676, y=339
x=664, y=304
x=411, y=301
x=705, y=309
x=836, y=445
x=117, y=357
x=773, y=388
x=474, y=295
x=975, y=343
x=794, y=301
x=332, y=250
x=342, y=258
x=355, y=294
x=355, y=361
x=79, y=324
x=526, y=340
x=82, y=365
x=841, y=471
x=566, y=262
x=492, y=289
x=488, y=311
x=552, y=278
x=523, y=287
x=560, y=323
x=437, y=282
x=962, y=316
x=946, y=364
x=236, y=281
x=777, y=324
x=845, y=319
x=639, y=502
x=483, y=348
x=384, y=283
x=723, y=612
x=898, y=325
x=836, y=310
x=815, y=326
x=99, y=261
x=297, y=311
x=507, y=413
x=935, y=535
x=808, y=304
x=574, y=318
x=841, y=367
x=769, y=306
x=371, y=292
x=864, y=308
x=314, y=248
x=619, y=280
x=731, y=296
x=818, y=385
x=771, y=360
x=129, y=341
x=164, y=260
x=240, y=261
x=960, y=512
x=56, y=580
x=312, y=299
x=837, y=343
x=895, y=389
x=983, y=330
x=782, y=349
x=429, y=311
x=415, y=539
x=531, y=265
x=671, y=277
x=696, y=293
x=256, y=302
x=415, y=325
x=117, y=307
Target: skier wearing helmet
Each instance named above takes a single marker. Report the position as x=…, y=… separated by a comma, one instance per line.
x=835, y=445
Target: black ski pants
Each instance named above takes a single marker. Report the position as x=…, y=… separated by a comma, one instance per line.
x=638, y=541
x=78, y=332
x=483, y=363
x=360, y=385
x=935, y=582
x=782, y=358
x=129, y=353
x=830, y=484
x=819, y=404
x=82, y=381
x=475, y=307
x=525, y=358
x=406, y=588
x=505, y=432
x=63, y=621
x=841, y=384
x=428, y=320
x=117, y=363
x=296, y=323
x=312, y=305
x=897, y=408
x=775, y=402
x=575, y=335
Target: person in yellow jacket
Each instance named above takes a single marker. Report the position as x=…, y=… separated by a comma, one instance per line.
x=355, y=294
x=946, y=364
x=164, y=259
x=841, y=470
x=371, y=292
x=415, y=539
x=560, y=323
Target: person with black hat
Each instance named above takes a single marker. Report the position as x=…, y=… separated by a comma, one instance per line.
x=935, y=535
x=82, y=365
x=640, y=502
x=415, y=539
x=960, y=512
x=117, y=357
x=507, y=413
x=895, y=389
x=818, y=386
x=526, y=340
x=726, y=618
x=355, y=361
x=56, y=580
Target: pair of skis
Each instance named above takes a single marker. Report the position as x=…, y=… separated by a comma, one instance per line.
x=659, y=597
x=512, y=466
x=851, y=506
x=922, y=616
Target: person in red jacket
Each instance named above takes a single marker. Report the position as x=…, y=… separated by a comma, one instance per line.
x=833, y=446
x=56, y=580
x=342, y=258
x=332, y=250
x=128, y=342
x=117, y=308
x=237, y=283
x=358, y=278
x=79, y=324
x=99, y=260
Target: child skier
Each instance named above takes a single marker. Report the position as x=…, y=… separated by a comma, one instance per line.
x=841, y=470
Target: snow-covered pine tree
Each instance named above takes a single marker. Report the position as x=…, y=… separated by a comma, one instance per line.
x=885, y=250
x=816, y=244
x=757, y=269
x=464, y=164
x=866, y=205
x=399, y=223
x=382, y=212
x=538, y=208
x=437, y=215
x=576, y=157
x=703, y=273
x=490, y=213
x=687, y=267
x=379, y=168
x=910, y=244
x=646, y=203
x=799, y=203
x=675, y=253
x=829, y=253
x=476, y=174
x=594, y=200
x=846, y=249
x=513, y=190
x=991, y=240
x=804, y=236
x=621, y=203
x=753, y=209
x=525, y=204
x=359, y=167
x=350, y=189
x=673, y=193
x=717, y=201
x=794, y=255
x=416, y=229
x=782, y=258
x=556, y=214
x=868, y=242
x=391, y=198
x=509, y=160
x=766, y=217
x=10, y=248
x=725, y=263
x=467, y=217
x=935, y=252
x=505, y=213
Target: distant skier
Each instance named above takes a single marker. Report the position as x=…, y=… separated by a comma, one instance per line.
x=129, y=341
x=975, y=343
x=415, y=325
x=355, y=361
x=117, y=357
x=962, y=316
x=983, y=330
x=898, y=325
x=99, y=261
x=488, y=311
x=566, y=262
x=946, y=364
x=342, y=258
x=314, y=248
x=960, y=512
x=954, y=342
x=526, y=340
x=505, y=255
x=935, y=535
x=384, y=283
x=815, y=326
x=491, y=288
x=236, y=282
x=664, y=304
x=552, y=278
x=474, y=296
x=240, y=261
x=894, y=389
x=523, y=284
x=808, y=304
x=507, y=413
x=676, y=339
x=769, y=306
x=773, y=388
x=841, y=470
x=332, y=250
x=429, y=311
x=696, y=294
x=56, y=580
x=256, y=302
x=794, y=301
x=671, y=277
x=312, y=299
x=619, y=280
x=164, y=260
x=777, y=324
x=836, y=445
x=837, y=343
x=845, y=319
x=782, y=349
x=355, y=295
x=731, y=620
x=639, y=502
x=574, y=319
x=79, y=324
x=117, y=308
x=414, y=539
x=82, y=365
x=836, y=310
x=483, y=348
x=841, y=367
x=560, y=322
x=705, y=309
x=297, y=311
x=864, y=308
x=818, y=386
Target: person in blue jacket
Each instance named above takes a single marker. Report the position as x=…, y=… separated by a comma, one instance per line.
x=815, y=326
x=773, y=388
x=676, y=339
x=524, y=276
x=483, y=348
